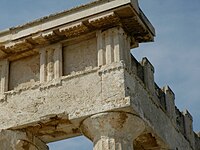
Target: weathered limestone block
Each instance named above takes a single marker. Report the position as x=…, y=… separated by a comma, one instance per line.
x=112, y=85
x=170, y=103
x=24, y=72
x=80, y=55
x=148, y=75
x=16, y=140
x=4, y=74
x=188, y=121
x=197, y=141
x=113, y=130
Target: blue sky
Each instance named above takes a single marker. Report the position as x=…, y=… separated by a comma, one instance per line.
x=175, y=53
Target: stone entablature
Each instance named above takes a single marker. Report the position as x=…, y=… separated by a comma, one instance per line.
x=73, y=74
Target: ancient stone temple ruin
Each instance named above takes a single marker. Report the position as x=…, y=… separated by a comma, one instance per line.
x=72, y=74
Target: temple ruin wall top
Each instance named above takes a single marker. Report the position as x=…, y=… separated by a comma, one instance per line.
x=80, y=65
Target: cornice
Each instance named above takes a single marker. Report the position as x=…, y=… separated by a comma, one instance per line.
x=98, y=15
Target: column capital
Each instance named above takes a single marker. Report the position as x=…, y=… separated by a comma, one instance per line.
x=113, y=128
x=17, y=140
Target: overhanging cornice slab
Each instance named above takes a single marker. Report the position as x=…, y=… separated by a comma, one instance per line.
x=97, y=15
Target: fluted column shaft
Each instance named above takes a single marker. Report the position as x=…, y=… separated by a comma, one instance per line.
x=112, y=143
x=113, y=130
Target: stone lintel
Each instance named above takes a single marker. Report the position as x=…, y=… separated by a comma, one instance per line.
x=52, y=97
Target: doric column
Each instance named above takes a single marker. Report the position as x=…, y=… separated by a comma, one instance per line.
x=15, y=140
x=112, y=130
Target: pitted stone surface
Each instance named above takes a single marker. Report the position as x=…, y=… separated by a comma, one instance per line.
x=72, y=74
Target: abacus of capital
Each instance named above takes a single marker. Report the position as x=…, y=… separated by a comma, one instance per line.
x=72, y=74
